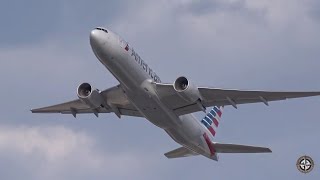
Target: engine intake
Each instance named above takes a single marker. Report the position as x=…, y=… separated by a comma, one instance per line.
x=181, y=84
x=187, y=90
x=84, y=90
x=90, y=96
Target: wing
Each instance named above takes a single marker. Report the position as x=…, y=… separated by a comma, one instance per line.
x=180, y=152
x=114, y=96
x=235, y=148
x=222, y=97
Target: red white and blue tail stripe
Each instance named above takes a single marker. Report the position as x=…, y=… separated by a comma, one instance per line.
x=212, y=119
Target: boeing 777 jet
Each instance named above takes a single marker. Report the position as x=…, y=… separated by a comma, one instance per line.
x=141, y=93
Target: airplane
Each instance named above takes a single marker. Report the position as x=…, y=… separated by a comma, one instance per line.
x=141, y=93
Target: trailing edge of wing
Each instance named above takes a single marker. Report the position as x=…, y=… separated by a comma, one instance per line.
x=235, y=148
x=229, y=96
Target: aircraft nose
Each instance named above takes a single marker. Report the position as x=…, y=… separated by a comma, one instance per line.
x=95, y=38
x=98, y=36
x=99, y=41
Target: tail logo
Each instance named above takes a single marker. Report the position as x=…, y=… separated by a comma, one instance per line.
x=211, y=120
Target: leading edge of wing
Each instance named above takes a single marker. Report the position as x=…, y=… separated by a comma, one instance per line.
x=62, y=107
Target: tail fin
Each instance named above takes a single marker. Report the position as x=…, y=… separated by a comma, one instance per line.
x=212, y=119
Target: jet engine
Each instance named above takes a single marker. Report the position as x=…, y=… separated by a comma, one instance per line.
x=187, y=90
x=90, y=96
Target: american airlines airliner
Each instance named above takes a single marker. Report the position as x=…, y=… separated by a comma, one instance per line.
x=141, y=93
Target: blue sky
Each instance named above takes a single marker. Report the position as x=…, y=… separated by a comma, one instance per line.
x=244, y=44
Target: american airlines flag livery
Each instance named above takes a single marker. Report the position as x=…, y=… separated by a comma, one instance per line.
x=169, y=106
x=211, y=120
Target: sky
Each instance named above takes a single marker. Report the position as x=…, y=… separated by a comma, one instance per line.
x=242, y=44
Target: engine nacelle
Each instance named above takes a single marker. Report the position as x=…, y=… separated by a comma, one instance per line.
x=187, y=90
x=90, y=96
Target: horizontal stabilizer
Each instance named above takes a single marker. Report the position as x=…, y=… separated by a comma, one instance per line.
x=235, y=148
x=180, y=152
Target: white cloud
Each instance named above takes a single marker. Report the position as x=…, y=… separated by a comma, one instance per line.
x=59, y=152
x=221, y=20
x=53, y=143
x=253, y=35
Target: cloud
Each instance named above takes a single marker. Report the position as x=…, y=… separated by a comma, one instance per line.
x=60, y=153
x=253, y=35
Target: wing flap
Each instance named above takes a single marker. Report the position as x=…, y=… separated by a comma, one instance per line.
x=125, y=112
x=180, y=152
x=235, y=148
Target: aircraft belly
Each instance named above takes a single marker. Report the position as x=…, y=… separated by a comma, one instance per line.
x=152, y=110
x=185, y=130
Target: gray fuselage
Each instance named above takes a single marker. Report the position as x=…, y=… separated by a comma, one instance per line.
x=137, y=81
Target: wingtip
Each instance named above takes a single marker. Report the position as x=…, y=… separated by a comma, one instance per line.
x=166, y=155
x=34, y=110
x=269, y=150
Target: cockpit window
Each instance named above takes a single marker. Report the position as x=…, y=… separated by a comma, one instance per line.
x=101, y=29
